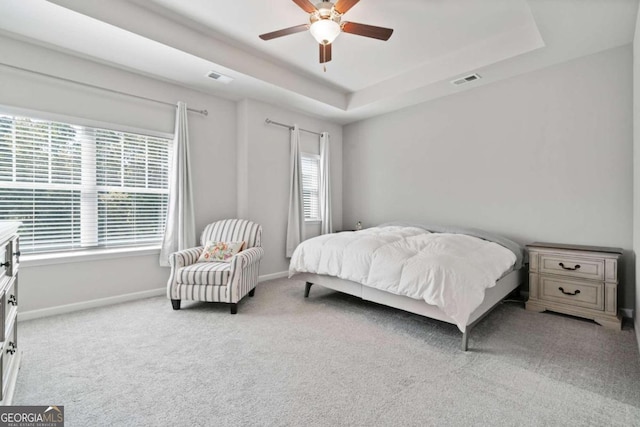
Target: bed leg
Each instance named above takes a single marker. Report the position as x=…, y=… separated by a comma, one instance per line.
x=307, y=288
x=465, y=340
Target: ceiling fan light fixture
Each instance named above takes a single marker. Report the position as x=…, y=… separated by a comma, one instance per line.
x=325, y=24
x=325, y=31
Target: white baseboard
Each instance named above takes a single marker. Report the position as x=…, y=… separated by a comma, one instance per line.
x=69, y=308
x=278, y=275
x=626, y=312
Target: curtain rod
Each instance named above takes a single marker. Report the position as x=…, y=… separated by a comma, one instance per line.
x=271, y=122
x=203, y=112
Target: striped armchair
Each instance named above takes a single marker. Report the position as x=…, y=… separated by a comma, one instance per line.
x=217, y=281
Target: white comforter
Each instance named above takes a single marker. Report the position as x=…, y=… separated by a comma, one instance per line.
x=451, y=271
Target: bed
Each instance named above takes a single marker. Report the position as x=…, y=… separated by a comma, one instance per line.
x=455, y=275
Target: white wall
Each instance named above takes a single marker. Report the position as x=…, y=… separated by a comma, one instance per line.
x=232, y=142
x=263, y=173
x=636, y=168
x=213, y=149
x=545, y=156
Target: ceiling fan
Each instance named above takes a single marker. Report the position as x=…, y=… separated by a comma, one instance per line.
x=325, y=25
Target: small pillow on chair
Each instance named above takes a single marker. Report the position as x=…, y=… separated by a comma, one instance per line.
x=220, y=251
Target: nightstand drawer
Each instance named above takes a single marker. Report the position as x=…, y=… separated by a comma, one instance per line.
x=578, y=293
x=584, y=268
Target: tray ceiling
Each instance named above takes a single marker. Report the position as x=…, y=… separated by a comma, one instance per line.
x=434, y=41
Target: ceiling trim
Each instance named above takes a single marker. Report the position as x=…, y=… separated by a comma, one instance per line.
x=137, y=20
x=535, y=34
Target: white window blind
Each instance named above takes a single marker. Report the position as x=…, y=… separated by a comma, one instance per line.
x=311, y=186
x=76, y=187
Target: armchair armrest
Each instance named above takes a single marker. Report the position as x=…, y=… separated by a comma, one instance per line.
x=247, y=257
x=185, y=257
x=244, y=272
x=177, y=260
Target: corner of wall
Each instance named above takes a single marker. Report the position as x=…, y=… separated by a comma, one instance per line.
x=636, y=169
x=242, y=157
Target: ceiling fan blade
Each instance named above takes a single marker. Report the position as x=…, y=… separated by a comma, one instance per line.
x=344, y=5
x=364, y=30
x=305, y=5
x=284, y=32
x=325, y=53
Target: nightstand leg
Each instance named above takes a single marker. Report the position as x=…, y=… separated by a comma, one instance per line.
x=532, y=306
x=613, y=323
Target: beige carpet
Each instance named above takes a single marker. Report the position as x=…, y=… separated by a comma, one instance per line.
x=329, y=360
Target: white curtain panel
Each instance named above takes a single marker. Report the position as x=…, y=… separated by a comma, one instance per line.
x=325, y=185
x=180, y=229
x=295, y=223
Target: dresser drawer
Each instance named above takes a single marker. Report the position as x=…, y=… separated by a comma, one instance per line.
x=9, y=257
x=5, y=255
x=572, y=292
x=566, y=265
x=14, y=257
x=9, y=351
x=9, y=301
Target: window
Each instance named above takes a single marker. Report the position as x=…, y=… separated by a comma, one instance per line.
x=311, y=186
x=76, y=187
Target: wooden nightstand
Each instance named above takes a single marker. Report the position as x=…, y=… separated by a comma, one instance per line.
x=577, y=280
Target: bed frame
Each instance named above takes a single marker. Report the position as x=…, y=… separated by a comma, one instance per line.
x=493, y=296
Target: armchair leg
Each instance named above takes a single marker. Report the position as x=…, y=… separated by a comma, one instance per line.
x=252, y=292
x=176, y=304
x=307, y=288
x=234, y=308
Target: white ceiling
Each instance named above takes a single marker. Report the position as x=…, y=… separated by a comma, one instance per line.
x=434, y=41
x=423, y=32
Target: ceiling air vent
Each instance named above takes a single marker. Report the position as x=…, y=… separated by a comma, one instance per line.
x=219, y=77
x=466, y=79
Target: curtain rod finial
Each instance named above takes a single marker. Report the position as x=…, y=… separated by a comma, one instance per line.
x=205, y=112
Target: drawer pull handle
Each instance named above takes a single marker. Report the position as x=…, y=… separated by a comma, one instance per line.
x=13, y=300
x=5, y=264
x=569, y=293
x=569, y=268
